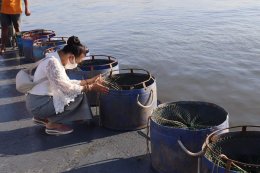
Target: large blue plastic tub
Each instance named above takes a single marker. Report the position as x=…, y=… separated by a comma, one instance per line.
x=167, y=156
x=128, y=108
x=234, y=150
x=41, y=45
x=28, y=39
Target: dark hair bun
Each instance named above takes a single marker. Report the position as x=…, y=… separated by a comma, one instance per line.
x=73, y=40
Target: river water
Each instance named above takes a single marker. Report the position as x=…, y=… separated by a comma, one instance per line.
x=206, y=50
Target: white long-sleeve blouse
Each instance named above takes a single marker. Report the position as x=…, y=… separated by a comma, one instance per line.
x=58, y=84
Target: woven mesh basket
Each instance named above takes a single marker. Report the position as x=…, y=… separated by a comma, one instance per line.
x=129, y=79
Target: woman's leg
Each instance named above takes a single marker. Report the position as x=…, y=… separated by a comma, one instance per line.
x=76, y=110
x=42, y=107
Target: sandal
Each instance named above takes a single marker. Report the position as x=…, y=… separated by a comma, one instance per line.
x=61, y=130
x=40, y=121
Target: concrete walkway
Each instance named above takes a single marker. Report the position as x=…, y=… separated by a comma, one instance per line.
x=24, y=147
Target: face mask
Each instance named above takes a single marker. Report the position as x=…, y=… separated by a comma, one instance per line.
x=70, y=65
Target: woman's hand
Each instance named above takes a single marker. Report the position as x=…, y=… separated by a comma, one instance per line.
x=95, y=84
x=97, y=79
x=97, y=87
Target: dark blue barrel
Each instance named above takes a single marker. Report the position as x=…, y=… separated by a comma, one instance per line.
x=41, y=45
x=233, y=150
x=94, y=65
x=130, y=101
x=20, y=42
x=28, y=39
x=201, y=118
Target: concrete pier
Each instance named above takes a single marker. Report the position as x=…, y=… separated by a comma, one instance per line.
x=24, y=146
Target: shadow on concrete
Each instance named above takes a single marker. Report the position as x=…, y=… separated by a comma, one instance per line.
x=9, y=54
x=34, y=139
x=9, y=91
x=13, y=59
x=26, y=61
x=138, y=164
x=13, y=62
x=13, y=112
x=8, y=74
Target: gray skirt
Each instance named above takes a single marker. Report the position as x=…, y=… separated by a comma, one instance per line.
x=42, y=107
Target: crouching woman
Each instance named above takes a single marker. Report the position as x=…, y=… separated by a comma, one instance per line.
x=57, y=100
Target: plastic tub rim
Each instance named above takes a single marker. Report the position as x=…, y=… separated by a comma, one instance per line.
x=194, y=130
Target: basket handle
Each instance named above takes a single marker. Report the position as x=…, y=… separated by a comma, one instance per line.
x=132, y=70
x=62, y=38
x=198, y=154
x=147, y=106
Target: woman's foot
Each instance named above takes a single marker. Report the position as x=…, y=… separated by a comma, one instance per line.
x=40, y=121
x=57, y=129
